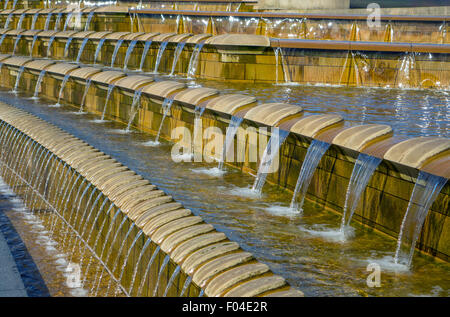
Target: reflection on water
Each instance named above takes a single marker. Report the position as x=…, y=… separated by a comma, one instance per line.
x=264, y=226
x=416, y=112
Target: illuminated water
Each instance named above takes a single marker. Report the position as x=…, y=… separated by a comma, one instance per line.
x=287, y=242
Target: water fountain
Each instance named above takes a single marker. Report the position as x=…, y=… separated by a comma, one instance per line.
x=8, y=20
x=161, y=50
x=83, y=44
x=144, y=53
x=363, y=170
x=37, y=88
x=116, y=50
x=61, y=89
x=193, y=62
x=98, y=49
x=33, y=22
x=49, y=47
x=88, y=21
x=19, y=24
x=83, y=99
x=2, y=38
x=58, y=21
x=312, y=158
x=178, y=50
x=66, y=47
x=19, y=74
x=232, y=129
x=167, y=104
x=68, y=20
x=425, y=192
x=19, y=36
x=108, y=95
x=276, y=140
x=134, y=105
x=47, y=21
x=32, y=44
x=128, y=54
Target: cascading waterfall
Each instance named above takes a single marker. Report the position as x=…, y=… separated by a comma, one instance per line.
x=8, y=20
x=6, y=5
x=128, y=54
x=363, y=170
x=32, y=45
x=144, y=54
x=47, y=22
x=83, y=99
x=312, y=158
x=38, y=83
x=284, y=66
x=147, y=269
x=193, y=62
x=83, y=44
x=19, y=36
x=88, y=21
x=19, y=24
x=198, y=113
x=2, y=38
x=66, y=47
x=68, y=19
x=33, y=22
x=276, y=140
x=134, y=105
x=116, y=50
x=167, y=104
x=98, y=49
x=425, y=192
x=232, y=129
x=61, y=89
x=49, y=47
x=14, y=4
x=133, y=279
x=108, y=95
x=172, y=278
x=58, y=21
x=178, y=50
x=161, y=270
x=19, y=74
x=162, y=48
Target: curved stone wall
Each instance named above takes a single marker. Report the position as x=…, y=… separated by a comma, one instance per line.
x=175, y=238
x=385, y=199
x=224, y=57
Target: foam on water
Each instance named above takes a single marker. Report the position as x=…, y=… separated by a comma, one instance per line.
x=330, y=234
x=151, y=143
x=284, y=211
x=247, y=192
x=214, y=171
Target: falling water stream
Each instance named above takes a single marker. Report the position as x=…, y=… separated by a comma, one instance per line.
x=176, y=56
x=116, y=50
x=98, y=49
x=425, y=192
x=144, y=54
x=313, y=155
x=271, y=151
x=162, y=48
x=363, y=170
x=128, y=54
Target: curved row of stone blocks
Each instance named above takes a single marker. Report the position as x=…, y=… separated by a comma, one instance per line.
x=403, y=158
x=373, y=139
x=215, y=264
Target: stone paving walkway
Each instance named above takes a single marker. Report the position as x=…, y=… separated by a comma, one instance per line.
x=11, y=284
